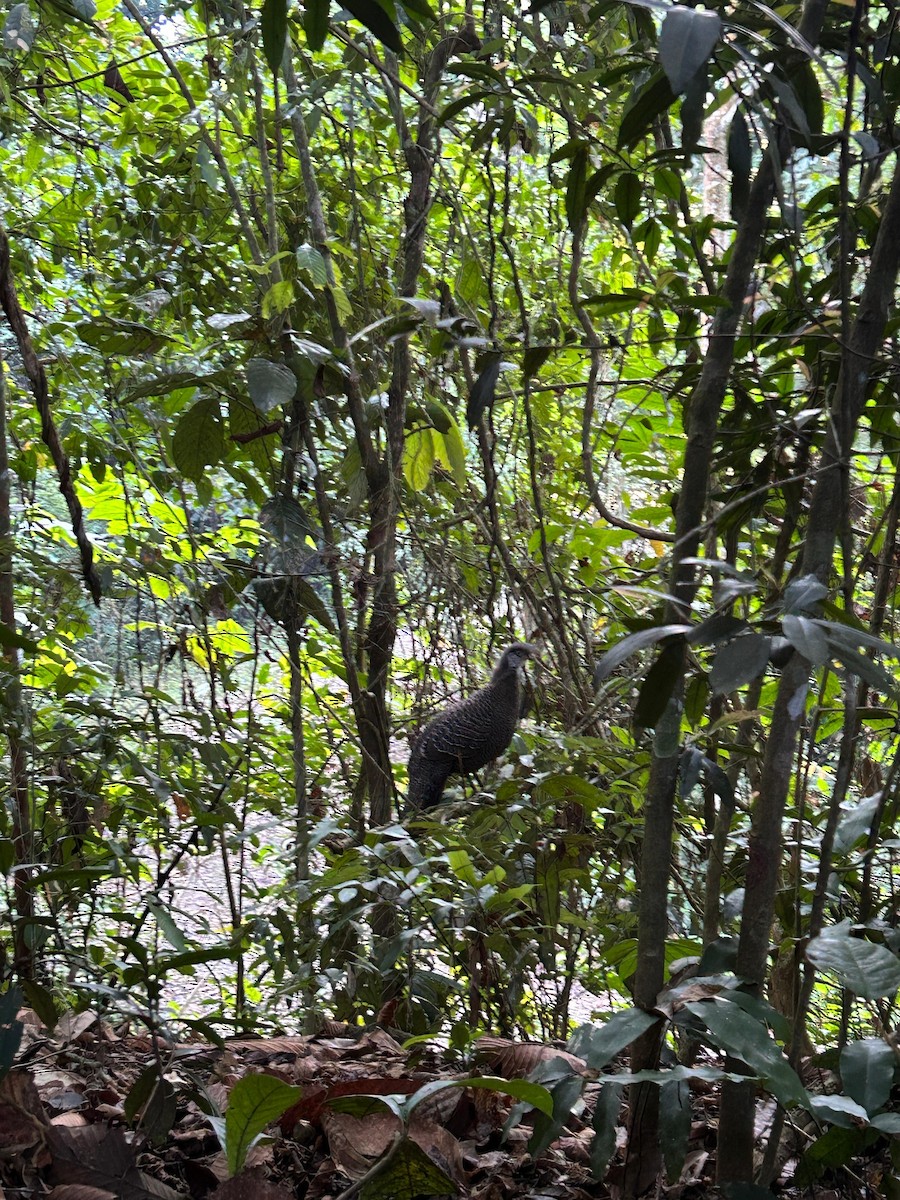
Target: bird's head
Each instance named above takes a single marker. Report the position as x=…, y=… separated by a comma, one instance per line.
x=515, y=656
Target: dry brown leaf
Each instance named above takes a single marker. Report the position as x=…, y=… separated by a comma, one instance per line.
x=515, y=1060
x=23, y=1124
x=100, y=1157
x=72, y=1026
x=79, y=1191
x=271, y=1046
x=251, y=1184
x=442, y=1148
x=357, y=1143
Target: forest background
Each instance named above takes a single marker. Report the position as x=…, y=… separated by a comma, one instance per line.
x=342, y=348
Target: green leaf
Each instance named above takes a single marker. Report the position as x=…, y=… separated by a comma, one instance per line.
x=315, y=22
x=599, y=1044
x=803, y=595
x=411, y=1173
x=278, y=299
x=628, y=198
x=376, y=20
x=175, y=381
x=273, y=23
x=674, y=1125
x=658, y=686
x=245, y=424
x=254, y=1102
x=867, y=1072
x=470, y=281
x=686, y=42
x=631, y=644
x=646, y=103
x=739, y=662
x=693, y=109
x=807, y=637
x=605, y=1122
x=167, y=926
x=483, y=392
x=869, y=970
x=199, y=438
x=534, y=358
x=740, y=163
x=569, y=789
x=809, y=93
x=418, y=458
x=463, y=102
x=11, y=637
x=310, y=260
x=455, y=448
x=41, y=1000
x=419, y=11
x=747, y=1038
x=855, y=823
x=566, y=1092
x=271, y=385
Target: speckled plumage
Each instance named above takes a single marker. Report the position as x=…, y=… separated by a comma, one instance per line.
x=469, y=734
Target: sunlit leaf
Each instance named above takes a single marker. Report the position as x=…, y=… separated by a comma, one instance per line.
x=418, y=458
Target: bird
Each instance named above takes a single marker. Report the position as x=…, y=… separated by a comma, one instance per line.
x=469, y=734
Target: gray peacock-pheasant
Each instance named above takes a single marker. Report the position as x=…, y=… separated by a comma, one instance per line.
x=469, y=734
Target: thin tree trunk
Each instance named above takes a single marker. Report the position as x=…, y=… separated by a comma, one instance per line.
x=860, y=355
x=14, y=714
x=644, y=1154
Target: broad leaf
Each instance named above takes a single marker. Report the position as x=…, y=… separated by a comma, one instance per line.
x=576, y=204
x=647, y=102
x=599, y=1044
x=658, y=686
x=253, y=1103
x=803, y=595
x=631, y=644
x=867, y=1072
x=11, y=637
x=869, y=970
x=273, y=23
x=199, y=438
x=376, y=20
x=315, y=22
x=628, y=198
x=740, y=163
x=747, y=1038
x=483, y=392
x=686, y=42
x=270, y=384
x=739, y=662
x=807, y=637
x=418, y=458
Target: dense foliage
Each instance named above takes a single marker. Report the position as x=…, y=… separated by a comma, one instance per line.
x=343, y=348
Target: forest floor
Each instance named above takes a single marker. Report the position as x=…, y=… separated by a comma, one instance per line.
x=93, y=1112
